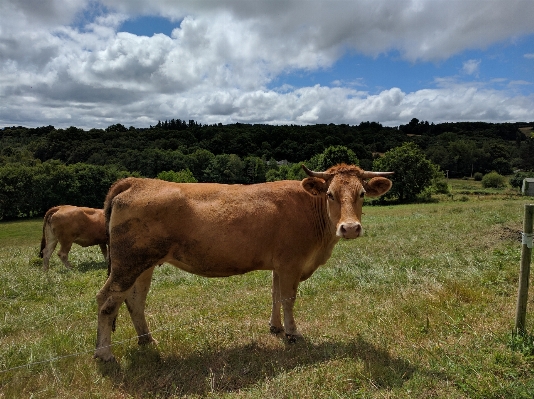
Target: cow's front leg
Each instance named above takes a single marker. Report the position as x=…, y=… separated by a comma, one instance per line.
x=135, y=301
x=288, y=294
x=276, y=320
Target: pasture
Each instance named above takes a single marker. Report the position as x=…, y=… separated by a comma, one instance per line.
x=422, y=306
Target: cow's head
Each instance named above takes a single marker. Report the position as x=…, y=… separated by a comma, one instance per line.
x=344, y=188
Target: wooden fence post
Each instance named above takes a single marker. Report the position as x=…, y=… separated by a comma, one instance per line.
x=524, y=274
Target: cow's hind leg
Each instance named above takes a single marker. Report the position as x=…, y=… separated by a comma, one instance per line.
x=63, y=254
x=47, y=252
x=104, y=249
x=135, y=301
x=276, y=320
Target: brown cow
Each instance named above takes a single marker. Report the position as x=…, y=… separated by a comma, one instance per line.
x=69, y=224
x=216, y=230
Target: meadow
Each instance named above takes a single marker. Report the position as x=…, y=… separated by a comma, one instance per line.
x=421, y=306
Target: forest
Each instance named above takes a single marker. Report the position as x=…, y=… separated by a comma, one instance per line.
x=44, y=166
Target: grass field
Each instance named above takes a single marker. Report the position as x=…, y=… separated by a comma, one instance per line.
x=422, y=306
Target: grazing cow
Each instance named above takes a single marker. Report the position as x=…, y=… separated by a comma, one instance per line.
x=69, y=224
x=216, y=230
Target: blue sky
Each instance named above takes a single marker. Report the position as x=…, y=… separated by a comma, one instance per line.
x=95, y=63
x=148, y=25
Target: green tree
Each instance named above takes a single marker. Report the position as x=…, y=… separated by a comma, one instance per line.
x=517, y=179
x=333, y=155
x=199, y=161
x=16, y=192
x=526, y=152
x=254, y=169
x=182, y=176
x=413, y=171
x=28, y=191
x=337, y=154
x=225, y=168
x=464, y=155
x=93, y=182
x=286, y=172
x=272, y=164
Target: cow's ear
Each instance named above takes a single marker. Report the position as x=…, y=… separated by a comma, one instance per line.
x=314, y=185
x=377, y=186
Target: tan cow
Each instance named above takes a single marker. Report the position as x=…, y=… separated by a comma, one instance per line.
x=216, y=230
x=69, y=224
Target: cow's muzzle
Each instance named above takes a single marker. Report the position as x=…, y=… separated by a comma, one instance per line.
x=350, y=230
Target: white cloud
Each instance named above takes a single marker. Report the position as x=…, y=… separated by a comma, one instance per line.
x=520, y=83
x=530, y=56
x=217, y=66
x=471, y=67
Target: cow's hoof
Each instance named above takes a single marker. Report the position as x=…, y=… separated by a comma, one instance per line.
x=276, y=330
x=292, y=338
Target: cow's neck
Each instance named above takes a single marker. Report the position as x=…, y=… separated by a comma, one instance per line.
x=325, y=230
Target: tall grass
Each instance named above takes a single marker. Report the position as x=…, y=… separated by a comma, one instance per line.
x=422, y=306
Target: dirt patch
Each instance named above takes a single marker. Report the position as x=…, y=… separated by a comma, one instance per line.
x=509, y=233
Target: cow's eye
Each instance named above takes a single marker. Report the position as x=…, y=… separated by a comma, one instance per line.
x=362, y=195
x=330, y=195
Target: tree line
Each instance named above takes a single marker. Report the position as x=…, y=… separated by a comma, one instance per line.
x=42, y=167
x=462, y=148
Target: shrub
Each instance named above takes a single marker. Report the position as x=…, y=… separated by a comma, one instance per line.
x=493, y=180
x=517, y=179
x=183, y=176
x=478, y=176
x=28, y=191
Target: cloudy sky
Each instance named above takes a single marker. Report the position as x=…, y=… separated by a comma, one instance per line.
x=91, y=64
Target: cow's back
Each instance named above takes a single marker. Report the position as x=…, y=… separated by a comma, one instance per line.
x=81, y=225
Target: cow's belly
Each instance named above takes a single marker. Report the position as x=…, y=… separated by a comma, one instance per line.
x=211, y=270
x=211, y=265
x=86, y=242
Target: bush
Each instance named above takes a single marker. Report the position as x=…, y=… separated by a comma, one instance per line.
x=517, y=179
x=493, y=180
x=440, y=186
x=183, y=176
x=29, y=191
x=478, y=176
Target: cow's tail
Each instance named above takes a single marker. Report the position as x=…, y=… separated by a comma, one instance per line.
x=46, y=221
x=118, y=187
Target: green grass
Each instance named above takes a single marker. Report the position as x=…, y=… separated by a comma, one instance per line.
x=422, y=306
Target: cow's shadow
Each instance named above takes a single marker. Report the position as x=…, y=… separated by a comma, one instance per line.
x=145, y=371
x=90, y=265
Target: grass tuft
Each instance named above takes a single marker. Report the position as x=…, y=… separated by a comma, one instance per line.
x=522, y=342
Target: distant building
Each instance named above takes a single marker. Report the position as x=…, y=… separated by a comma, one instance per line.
x=528, y=187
